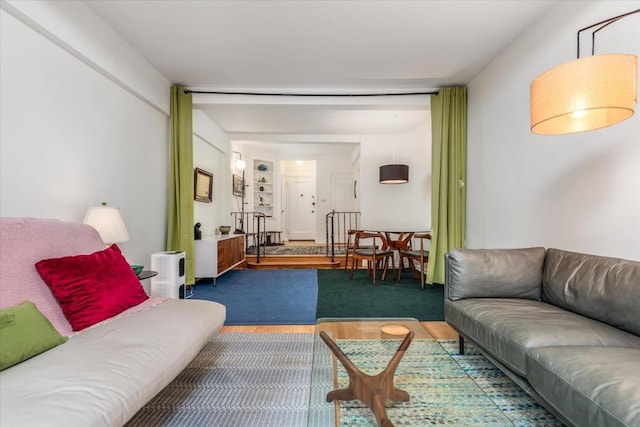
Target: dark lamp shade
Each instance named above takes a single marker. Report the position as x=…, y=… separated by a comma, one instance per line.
x=394, y=174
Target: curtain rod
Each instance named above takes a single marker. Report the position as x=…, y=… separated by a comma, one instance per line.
x=310, y=94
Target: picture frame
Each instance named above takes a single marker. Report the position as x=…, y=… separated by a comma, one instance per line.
x=203, y=186
x=238, y=184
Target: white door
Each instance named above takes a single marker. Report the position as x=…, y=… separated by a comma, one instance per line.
x=301, y=208
x=342, y=192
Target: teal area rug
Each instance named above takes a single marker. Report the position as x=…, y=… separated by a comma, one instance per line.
x=338, y=296
x=445, y=388
x=520, y=408
x=264, y=297
x=247, y=380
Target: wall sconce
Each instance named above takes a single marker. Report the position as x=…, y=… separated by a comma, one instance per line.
x=585, y=94
x=108, y=222
x=394, y=174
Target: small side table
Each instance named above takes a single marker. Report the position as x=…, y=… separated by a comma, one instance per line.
x=147, y=274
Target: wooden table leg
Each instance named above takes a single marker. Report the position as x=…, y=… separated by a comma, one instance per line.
x=372, y=390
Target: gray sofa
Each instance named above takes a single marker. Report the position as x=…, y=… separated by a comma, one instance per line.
x=564, y=326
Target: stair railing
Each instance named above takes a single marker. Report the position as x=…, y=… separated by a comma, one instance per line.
x=252, y=225
x=337, y=226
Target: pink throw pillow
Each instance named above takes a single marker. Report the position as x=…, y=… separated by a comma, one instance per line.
x=92, y=288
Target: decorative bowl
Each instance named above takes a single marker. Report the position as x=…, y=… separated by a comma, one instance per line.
x=137, y=268
x=224, y=229
x=262, y=167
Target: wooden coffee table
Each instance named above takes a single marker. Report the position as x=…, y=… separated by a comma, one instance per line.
x=372, y=390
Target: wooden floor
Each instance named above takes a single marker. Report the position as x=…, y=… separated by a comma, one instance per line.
x=438, y=330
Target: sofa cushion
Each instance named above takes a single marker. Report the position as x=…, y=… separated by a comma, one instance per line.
x=592, y=386
x=499, y=273
x=509, y=328
x=605, y=289
x=26, y=241
x=103, y=375
x=92, y=288
x=24, y=333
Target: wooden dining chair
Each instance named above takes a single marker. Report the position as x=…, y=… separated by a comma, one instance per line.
x=421, y=257
x=377, y=255
x=348, y=251
x=351, y=246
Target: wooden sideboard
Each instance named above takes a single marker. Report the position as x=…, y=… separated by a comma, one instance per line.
x=216, y=255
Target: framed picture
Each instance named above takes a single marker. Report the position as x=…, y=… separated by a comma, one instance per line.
x=238, y=183
x=203, y=186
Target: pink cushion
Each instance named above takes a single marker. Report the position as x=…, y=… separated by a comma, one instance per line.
x=92, y=288
x=25, y=241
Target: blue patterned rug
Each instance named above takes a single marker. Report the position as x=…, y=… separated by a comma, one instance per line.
x=247, y=380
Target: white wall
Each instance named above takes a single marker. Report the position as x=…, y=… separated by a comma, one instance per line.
x=210, y=148
x=400, y=207
x=73, y=135
x=576, y=192
x=74, y=27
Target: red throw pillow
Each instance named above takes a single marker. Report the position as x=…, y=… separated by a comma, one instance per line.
x=92, y=288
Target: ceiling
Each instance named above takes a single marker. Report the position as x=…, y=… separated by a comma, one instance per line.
x=318, y=47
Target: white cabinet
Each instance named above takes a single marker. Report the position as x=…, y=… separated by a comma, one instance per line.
x=214, y=256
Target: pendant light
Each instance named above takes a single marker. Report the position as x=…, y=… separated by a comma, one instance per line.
x=586, y=94
x=394, y=173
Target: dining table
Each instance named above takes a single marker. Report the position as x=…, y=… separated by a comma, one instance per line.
x=398, y=240
x=401, y=240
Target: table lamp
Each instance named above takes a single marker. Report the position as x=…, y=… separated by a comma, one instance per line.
x=108, y=222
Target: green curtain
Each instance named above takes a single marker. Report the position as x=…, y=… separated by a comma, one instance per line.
x=449, y=174
x=180, y=224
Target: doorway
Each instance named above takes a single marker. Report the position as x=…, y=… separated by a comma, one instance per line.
x=299, y=199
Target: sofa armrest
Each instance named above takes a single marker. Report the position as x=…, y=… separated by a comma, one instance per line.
x=494, y=273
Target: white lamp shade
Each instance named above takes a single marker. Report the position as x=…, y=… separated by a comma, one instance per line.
x=109, y=224
x=586, y=94
x=241, y=164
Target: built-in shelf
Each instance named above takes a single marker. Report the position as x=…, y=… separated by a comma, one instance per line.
x=263, y=186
